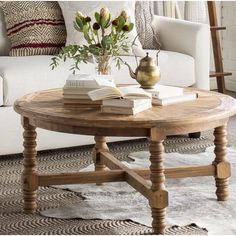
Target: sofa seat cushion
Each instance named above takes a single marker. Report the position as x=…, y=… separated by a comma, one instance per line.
x=22, y=75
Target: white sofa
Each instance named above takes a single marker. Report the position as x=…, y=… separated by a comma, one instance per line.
x=183, y=62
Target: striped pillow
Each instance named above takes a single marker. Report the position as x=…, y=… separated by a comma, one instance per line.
x=34, y=27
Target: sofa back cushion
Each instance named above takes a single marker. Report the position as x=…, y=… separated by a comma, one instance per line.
x=34, y=27
x=4, y=40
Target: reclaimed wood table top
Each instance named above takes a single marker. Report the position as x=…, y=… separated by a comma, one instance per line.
x=48, y=105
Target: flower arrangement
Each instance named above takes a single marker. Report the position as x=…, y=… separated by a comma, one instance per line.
x=106, y=38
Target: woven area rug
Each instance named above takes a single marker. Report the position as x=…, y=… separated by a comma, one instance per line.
x=190, y=199
x=13, y=221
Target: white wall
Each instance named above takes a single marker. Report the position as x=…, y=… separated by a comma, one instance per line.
x=228, y=19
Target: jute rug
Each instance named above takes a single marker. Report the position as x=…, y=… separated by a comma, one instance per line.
x=14, y=221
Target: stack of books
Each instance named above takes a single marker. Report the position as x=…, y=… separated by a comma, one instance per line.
x=76, y=89
x=166, y=95
x=122, y=100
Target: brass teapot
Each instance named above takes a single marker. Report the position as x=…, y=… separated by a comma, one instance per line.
x=147, y=73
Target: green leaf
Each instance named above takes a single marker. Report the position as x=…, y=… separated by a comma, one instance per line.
x=131, y=26
x=97, y=17
x=76, y=26
x=86, y=28
x=108, y=24
x=106, y=41
x=108, y=21
x=94, y=49
x=103, y=22
x=86, y=36
x=79, y=22
x=121, y=23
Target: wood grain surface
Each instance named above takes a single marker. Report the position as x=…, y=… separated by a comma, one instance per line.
x=48, y=106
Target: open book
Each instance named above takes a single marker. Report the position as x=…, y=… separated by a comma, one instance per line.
x=121, y=92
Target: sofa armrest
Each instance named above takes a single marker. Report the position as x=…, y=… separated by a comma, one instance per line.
x=1, y=91
x=189, y=38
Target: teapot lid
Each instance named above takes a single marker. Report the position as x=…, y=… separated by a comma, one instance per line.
x=146, y=59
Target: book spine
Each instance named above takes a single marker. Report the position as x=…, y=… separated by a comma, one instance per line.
x=76, y=96
x=117, y=110
x=81, y=101
x=125, y=110
x=119, y=103
x=169, y=101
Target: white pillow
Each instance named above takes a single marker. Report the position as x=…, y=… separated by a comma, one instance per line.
x=69, y=8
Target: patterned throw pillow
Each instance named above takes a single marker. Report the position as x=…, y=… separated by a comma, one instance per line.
x=34, y=27
x=144, y=11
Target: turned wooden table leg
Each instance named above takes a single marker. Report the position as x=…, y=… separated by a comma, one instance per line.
x=100, y=146
x=159, y=196
x=29, y=177
x=223, y=170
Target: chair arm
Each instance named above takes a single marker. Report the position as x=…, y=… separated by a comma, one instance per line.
x=188, y=38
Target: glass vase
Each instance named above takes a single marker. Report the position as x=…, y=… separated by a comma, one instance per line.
x=103, y=64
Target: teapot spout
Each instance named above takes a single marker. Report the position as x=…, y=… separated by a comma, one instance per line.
x=132, y=74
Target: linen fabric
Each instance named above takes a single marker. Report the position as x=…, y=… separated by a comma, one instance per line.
x=31, y=74
x=144, y=11
x=1, y=91
x=189, y=38
x=34, y=27
x=69, y=8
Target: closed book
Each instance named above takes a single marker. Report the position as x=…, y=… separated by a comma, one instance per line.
x=187, y=96
x=76, y=96
x=89, y=81
x=123, y=102
x=163, y=91
x=81, y=101
x=126, y=110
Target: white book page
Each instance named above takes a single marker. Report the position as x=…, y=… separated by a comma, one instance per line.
x=104, y=80
x=105, y=92
x=134, y=91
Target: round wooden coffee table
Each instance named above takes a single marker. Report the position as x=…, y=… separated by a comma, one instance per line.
x=45, y=109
